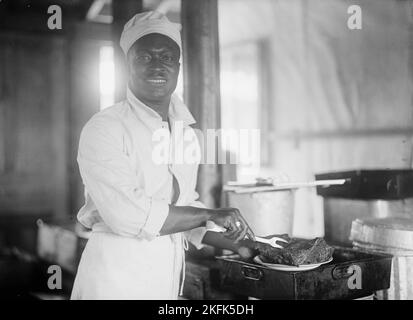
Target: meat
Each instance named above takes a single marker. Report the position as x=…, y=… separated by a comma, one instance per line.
x=296, y=252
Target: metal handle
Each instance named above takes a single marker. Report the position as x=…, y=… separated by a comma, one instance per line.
x=262, y=240
x=290, y=185
x=251, y=273
x=341, y=272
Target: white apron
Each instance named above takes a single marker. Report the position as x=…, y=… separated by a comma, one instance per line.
x=117, y=267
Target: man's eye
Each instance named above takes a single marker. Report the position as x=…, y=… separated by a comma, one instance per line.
x=144, y=58
x=168, y=58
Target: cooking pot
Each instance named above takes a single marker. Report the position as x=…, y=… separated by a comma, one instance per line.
x=268, y=207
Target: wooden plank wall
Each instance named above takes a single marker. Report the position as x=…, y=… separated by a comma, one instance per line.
x=33, y=124
x=33, y=130
x=49, y=88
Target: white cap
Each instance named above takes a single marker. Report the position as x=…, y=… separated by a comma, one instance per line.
x=145, y=23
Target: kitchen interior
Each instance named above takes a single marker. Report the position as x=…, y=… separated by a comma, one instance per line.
x=334, y=107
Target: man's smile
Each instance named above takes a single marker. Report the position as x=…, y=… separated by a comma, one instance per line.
x=156, y=81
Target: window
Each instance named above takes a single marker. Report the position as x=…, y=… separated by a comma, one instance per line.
x=245, y=99
x=106, y=77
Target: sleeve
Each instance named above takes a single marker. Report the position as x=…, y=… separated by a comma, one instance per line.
x=111, y=182
x=195, y=236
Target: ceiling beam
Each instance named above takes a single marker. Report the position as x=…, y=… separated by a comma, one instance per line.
x=94, y=12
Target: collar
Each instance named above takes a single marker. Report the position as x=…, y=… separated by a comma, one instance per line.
x=178, y=111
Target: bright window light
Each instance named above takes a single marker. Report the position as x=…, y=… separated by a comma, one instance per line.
x=106, y=77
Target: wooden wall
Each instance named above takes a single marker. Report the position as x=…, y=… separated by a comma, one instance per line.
x=33, y=128
x=49, y=88
x=33, y=125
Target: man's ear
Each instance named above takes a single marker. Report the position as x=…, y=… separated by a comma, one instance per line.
x=128, y=63
x=129, y=57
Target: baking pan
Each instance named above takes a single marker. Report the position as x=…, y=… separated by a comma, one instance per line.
x=329, y=281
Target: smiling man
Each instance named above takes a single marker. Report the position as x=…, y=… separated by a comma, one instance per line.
x=154, y=67
x=142, y=213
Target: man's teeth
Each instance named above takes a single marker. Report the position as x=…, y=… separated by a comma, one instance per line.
x=156, y=80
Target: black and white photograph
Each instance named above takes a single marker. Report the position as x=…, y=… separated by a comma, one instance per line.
x=229, y=151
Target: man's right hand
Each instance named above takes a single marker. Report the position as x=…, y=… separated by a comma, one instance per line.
x=232, y=220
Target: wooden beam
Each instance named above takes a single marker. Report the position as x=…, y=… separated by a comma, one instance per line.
x=94, y=12
x=201, y=82
x=95, y=9
x=341, y=134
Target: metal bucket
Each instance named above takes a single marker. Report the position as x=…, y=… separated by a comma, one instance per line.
x=267, y=213
x=392, y=236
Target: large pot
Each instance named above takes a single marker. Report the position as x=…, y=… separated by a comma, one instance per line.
x=269, y=212
x=268, y=207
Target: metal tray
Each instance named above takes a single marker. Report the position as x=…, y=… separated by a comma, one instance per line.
x=329, y=281
x=369, y=184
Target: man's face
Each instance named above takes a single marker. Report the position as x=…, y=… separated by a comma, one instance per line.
x=153, y=63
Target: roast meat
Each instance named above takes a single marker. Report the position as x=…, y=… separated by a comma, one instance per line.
x=296, y=252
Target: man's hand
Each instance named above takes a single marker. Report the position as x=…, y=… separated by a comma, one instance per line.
x=246, y=253
x=232, y=220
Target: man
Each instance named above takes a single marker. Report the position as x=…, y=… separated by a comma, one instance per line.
x=141, y=212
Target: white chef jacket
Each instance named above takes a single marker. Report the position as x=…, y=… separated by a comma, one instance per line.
x=127, y=197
